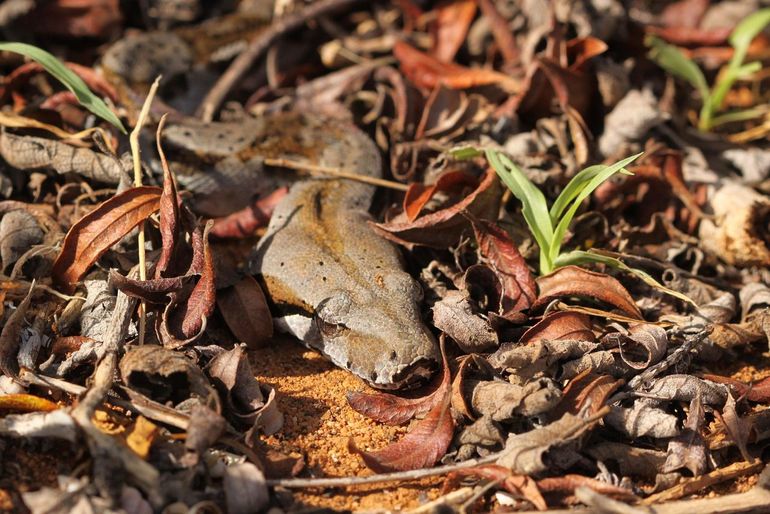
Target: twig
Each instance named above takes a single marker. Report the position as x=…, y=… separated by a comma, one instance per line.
x=335, y=172
x=241, y=65
x=453, y=498
x=135, y=154
x=302, y=483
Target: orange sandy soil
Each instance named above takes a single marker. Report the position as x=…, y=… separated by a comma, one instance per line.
x=311, y=394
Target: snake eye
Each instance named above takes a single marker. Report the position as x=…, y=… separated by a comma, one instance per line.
x=331, y=313
x=329, y=329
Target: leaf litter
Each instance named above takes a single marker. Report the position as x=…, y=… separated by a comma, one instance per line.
x=604, y=332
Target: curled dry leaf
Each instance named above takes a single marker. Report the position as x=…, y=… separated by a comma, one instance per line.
x=244, y=308
x=502, y=33
x=644, y=345
x=575, y=281
x=586, y=390
x=688, y=449
x=419, y=194
x=245, y=489
x=162, y=375
x=454, y=315
x=154, y=290
x=643, y=419
x=560, y=326
x=538, y=357
x=686, y=387
x=10, y=337
x=98, y=230
x=395, y=410
x=169, y=212
x=56, y=424
x=442, y=228
x=244, y=400
x=203, y=430
x=738, y=428
x=499, y=250
x=566, y=485
x=428, y=439
x=525, y=453
x=19, y=231
x=502, y=401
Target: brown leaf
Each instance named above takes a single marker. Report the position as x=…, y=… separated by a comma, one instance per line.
x=755, y=392
x=576, y=281
x=19, y=231
x=419, y=194
x=428, y=72
x=243, y=223
x=737, y=427
x=499, y=250
x=245, y=488
x=684, y=13
x=501, y=31
x=688, y=449
x=560, y=325
x=10, y=337
x=644, y=345
x=155, y=290
x=568, y=483
x=585, y=389
x=453, y=19
x=394, y=410
x=245, y=310
x=442, y=228
x=454, y=315
x=520, y=486
x=98, y=230
x=204, y=428
x=422, y=447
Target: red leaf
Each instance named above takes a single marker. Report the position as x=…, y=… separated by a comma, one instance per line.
x=453, y=19
x=154, y=290
x=442, y=228
x=422, y=447
x=576, y=281
x=428, y=439
x=243, y=223
x=587, y=388
x=561, y=325
x=419, y=194
x=98, y=230
x=755, y=392
x=201, y=303
x=518, y=485
x=395, y=410
x=497, y=247
x=244, y=308
x=169, y=212
x=428, y=72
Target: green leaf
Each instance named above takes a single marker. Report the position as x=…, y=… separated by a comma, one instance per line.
x=587, y=188
x=67, y=77
x=534, y=206
x=748, y=28
x=671, y=59
x=573, y=188
x=462, y=153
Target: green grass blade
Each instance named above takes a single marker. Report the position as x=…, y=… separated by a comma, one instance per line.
x=748, y=28
x=671, y=59
x=586, y=190
x=67, y=77
x=573, y=188
x=534, y=206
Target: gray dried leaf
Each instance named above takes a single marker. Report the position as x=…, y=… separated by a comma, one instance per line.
x=738, y=428
x=752, y=161
x=96, y=310
x=245, y=489
x=70, y=497
x=686, y=387
x=527, y=361
x=244, y=400
x=545, y=447
x=643, y=419
x=602, y=362
x=10, y=337
x=482, y=432
x=203, y=430
x=132, y=502
x=645, y=344
x=19, y=231
x=58, y=424
x=720, y=310
x=631, y=461
x=688, y=449
x=454, y=316
x=629, y=121
x=163, y=375
x=754, y=295
x=502, y=401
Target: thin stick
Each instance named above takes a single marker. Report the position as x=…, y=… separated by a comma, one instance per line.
x=301, y=483
x=335, y=172
x=135, y=153
x=241, y=65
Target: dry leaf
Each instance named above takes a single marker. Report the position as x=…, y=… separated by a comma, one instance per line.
x=245, y=310
x=97, y=231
